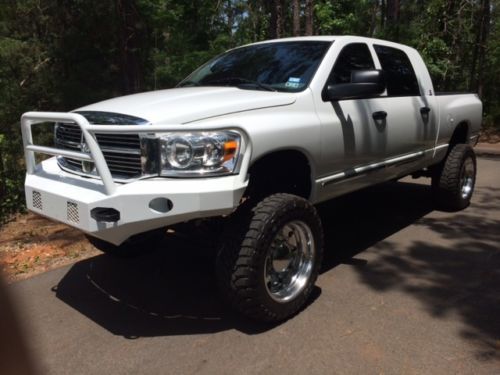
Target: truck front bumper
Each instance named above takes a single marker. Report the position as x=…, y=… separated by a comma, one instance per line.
x=142, y=205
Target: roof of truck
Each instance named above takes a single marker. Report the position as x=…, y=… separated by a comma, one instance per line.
x=331, y=38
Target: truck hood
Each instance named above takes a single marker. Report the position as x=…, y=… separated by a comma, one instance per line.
x=183, y=105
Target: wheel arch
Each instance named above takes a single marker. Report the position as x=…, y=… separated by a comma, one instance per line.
x=460, y=134
x=286, y=170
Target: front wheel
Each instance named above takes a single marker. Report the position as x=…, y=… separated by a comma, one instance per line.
x=453, y=183
x=270, y=257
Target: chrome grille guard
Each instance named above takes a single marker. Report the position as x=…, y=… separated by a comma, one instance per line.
x=88, y=130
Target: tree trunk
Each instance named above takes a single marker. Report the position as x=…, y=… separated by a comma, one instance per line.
x=373, y=20
x=446, y=16
x=296, y=17
x=454, y=29
x=253, y=20
x=485, y=31
x=3, y=177
x=230, y=18
x=393, y=9
x=277, y=20
x=132, y=78
x=383, y=14
x=309, y=14
x=478, y=29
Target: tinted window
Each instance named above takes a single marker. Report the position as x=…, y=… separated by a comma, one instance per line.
x=354, y=56
x=401, y=79
x=282, y=66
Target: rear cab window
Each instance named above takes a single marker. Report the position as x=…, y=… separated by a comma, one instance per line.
x=401, y=78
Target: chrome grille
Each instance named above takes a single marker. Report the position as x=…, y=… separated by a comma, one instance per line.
x=69, y=134
x=121, y=151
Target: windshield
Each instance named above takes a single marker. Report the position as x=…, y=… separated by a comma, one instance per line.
x=279, y=66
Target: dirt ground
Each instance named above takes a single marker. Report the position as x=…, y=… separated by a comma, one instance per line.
x=31, y=244
x=490, y=135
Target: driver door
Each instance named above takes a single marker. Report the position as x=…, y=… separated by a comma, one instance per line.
x=352, y=136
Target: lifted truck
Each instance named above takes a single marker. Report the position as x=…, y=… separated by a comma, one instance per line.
x=258, y=136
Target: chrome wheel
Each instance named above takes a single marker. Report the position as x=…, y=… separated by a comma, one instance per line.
x=270, y=257
x=467, y=176
x=289, y=262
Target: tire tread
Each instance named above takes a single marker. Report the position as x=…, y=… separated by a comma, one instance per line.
x=238, y=259
x=446, y=181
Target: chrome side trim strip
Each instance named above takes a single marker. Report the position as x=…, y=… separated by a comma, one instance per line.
x=326, y=180
x=370, y=167
x=406, y=157
x=438, y=148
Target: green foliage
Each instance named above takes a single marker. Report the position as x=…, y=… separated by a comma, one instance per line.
x=59, y=55
x=11, y=180
x=437, y=56
x=343, y=17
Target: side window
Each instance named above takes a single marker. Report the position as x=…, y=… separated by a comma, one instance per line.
x=355, y=56
x=401, y=78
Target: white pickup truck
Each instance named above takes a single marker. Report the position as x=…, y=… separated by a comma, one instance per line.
x=256, y=136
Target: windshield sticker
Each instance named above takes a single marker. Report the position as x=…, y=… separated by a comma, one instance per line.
x=293, y=82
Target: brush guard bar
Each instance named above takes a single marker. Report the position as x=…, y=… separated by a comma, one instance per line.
x=94, y=155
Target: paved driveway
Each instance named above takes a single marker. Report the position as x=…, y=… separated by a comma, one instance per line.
x=404, y=289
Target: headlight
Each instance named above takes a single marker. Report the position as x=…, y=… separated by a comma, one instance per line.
x=199, y=153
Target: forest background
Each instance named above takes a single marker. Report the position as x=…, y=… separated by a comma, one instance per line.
x=58, y=55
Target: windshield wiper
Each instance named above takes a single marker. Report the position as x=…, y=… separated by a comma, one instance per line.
x=242, y=83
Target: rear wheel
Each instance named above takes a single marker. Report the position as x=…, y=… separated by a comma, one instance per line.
x=133, y=246
x=270, y=257
x=453, y=183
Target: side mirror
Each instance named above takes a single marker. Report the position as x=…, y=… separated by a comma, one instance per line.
x=364, y=83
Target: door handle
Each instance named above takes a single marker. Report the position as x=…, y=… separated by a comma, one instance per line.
x=425, y=110
x=380, y=115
